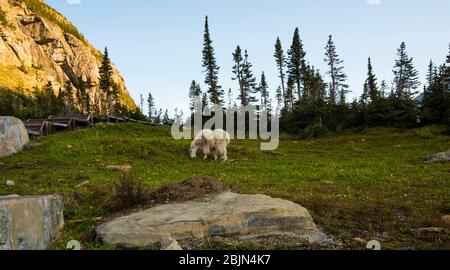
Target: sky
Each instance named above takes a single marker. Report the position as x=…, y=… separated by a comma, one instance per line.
x=157, y=45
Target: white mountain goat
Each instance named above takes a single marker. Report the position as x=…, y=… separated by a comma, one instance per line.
x=211, y=142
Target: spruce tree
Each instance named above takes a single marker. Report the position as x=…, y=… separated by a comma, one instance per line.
x=296, y=62
x=281, y=63
x=141, y=107
x=314, y=85
x=249, y=82
x=238, y=74
x=448, y=56
x=205, y=102
x=406, y=77
x=264, y=90
x=371, y=91
x=211, y=68
x=338, y=87
x=85, y=98
x=166, y=118
x=106, y=83
x=69, y=91
x=383, y=88
x=158, y=119
x=151, y=107
x=194, y=92
x=289, y=97
x=436, y=98
x=50, y=108
x=448, y=64
x=280, y=97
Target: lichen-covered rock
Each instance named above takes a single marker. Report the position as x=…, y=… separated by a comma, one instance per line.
x=29, y=223
x=225, y=215
x=13, y=136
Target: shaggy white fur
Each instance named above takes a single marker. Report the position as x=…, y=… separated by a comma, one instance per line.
x=211, y=142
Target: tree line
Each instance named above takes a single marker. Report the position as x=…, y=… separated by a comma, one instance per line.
x=311, y=103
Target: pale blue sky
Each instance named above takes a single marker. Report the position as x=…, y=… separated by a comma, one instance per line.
x=157, y=44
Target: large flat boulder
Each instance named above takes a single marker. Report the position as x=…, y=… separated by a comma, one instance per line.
x=29, y=223
x=224, y=215
x=13, y=136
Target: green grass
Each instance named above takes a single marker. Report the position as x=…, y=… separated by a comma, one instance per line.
x=381, y=189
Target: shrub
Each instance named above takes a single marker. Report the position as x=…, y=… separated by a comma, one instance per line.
x=129, y=192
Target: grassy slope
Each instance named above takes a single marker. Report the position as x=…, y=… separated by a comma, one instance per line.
x=381, y=189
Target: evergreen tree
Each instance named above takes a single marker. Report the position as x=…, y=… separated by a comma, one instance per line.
x=280, y=97
x=166, y=119
x=50, y=108
x=281, y=63
x=205, y=102
x=405, y=75
x=230, y=98
x=61, y=101
x=194, y=92
x=383, y=88
x=141, y=106
x=289, y=97
x=211, y=68
x=314, y=85
x=151, y=107
x=69, y=91
x=249, y=82
x=238, y=74
x=84, y=98
x=106, y=83
x=158, y=119
x=338, y=87
x=264, y=90
x=296, y=62
x=436, y=98
x=371, y=91
x=448, y=56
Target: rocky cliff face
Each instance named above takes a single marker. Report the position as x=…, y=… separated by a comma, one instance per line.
x=38, y=45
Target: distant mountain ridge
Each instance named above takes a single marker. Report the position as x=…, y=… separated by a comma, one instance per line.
x=39, y=45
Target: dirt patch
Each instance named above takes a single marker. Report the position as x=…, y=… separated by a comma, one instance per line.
x=190, y=189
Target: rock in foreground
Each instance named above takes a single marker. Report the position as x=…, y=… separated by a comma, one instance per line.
x=224, y=215
x=439, y=157
x=29, y=223
x=13, y=136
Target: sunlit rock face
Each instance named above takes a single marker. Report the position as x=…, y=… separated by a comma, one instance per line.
x=37, y=47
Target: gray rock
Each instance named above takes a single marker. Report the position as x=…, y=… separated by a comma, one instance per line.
x=225, y=215
x=13, y=136
x=170, y=244
x=439, y=157
x=29, y=223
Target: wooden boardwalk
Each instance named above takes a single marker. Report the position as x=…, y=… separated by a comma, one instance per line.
x=45, y=127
